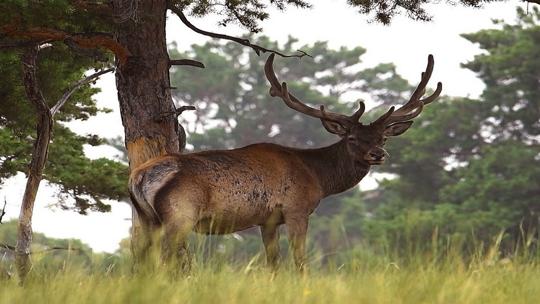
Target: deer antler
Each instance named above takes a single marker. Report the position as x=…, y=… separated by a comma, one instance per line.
x=281, y=90
x=415, y=104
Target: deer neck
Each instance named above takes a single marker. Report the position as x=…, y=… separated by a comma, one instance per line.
x=334, y=167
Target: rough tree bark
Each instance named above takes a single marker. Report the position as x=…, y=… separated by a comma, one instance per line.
x=144, y=94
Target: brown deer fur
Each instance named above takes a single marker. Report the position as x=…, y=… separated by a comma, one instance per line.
x=265, y=185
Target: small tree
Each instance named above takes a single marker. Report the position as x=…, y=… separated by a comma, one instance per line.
x=40, y=150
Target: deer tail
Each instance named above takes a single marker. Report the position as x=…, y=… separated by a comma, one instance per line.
x=140, y=202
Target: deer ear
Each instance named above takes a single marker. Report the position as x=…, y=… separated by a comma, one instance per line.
x=334, y=127
x=397, y=128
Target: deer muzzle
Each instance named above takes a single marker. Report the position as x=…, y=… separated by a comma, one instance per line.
x=376, y=156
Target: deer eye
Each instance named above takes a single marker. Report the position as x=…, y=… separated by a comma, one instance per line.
x=351, y=138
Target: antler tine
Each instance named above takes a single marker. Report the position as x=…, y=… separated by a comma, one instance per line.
x=433, y=96
x=294, y=103
x=356, y=116
x=384, y=117
x=404, y=117
x=415, y=104
x=420, y=90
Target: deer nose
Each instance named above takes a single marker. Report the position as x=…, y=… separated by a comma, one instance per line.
x=377, y=153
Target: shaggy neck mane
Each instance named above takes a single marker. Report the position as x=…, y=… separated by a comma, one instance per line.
x=336, y=170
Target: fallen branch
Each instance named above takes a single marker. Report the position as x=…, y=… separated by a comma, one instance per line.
x=257, y=48
x=47, y=249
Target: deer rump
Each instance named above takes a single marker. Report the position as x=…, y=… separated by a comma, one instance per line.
x=225, y=190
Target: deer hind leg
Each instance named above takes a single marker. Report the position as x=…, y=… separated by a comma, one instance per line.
x=176, y=229
x=142, y=239
x=270, y=237
x=297, y=231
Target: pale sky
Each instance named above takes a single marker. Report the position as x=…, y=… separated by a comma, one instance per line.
x=405, y=43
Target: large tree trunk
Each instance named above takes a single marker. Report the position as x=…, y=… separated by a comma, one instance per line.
x=39, y=156
x=144, y=92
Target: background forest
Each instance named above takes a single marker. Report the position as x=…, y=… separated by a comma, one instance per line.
x=465, y=176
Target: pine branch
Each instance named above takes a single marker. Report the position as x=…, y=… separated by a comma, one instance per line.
x=101, y=8
x=76, y=86
x=257, y=48
x=19, y=44
x=84, y=40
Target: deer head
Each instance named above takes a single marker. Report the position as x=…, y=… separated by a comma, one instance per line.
x=365, y=143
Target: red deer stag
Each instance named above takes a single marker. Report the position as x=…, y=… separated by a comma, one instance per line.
x=266, y=185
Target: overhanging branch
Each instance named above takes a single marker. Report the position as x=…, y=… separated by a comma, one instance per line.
x=83, y=40
x=257, y=48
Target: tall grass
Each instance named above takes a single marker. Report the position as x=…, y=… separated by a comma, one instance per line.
x=499, y=283
x=439, y=275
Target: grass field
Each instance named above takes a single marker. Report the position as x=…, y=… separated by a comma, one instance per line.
x=451, y=281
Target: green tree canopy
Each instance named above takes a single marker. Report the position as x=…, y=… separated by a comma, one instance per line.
x=249, y=13
x=509, y=68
